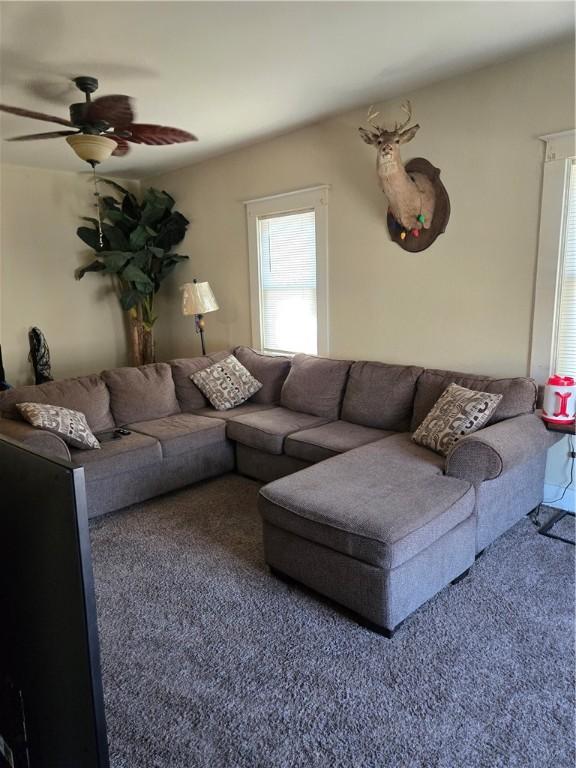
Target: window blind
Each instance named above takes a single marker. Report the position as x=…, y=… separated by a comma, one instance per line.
x=287, y=253
x=565, y=357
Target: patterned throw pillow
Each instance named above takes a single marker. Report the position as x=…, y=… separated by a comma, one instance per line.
x=457, y=412
x=70, y=425
x=226, y=383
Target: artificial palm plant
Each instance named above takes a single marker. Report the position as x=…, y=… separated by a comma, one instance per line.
x=133, y=241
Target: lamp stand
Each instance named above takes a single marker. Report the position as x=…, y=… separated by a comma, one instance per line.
x=199, y=323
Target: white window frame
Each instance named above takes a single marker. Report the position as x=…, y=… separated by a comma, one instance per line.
x=560, y=153
x=312, y=198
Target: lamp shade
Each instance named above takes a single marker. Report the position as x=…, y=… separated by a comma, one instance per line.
x=93, y=149
x=197, y=299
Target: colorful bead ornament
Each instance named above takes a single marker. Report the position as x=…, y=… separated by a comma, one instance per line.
x=402, y=235
x=416, y=232
x=421, y=218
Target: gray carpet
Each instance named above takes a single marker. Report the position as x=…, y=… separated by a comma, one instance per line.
x=208, y=661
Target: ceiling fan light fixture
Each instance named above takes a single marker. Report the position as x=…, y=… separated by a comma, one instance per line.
x=92, y=148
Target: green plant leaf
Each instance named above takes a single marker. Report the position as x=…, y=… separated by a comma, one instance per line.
x=115, y=216
x=153, y=196
x=145, y=288
x=94, y=266
x=141, y=259
x=117, y=239
x=109, y=203
x=91, y=219
x=116, y=186
x=172, y=231
x=134, y=274
x=138, y=238
x=114, y=261
x=151, y=213
x=168, y=196
x=128, y=203
x=130, y=207
x=166, y=266
x=90, y=237
x=122, y=222
x=129, y=298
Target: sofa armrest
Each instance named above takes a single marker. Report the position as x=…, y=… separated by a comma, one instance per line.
x=486, y=454
x=34, y=438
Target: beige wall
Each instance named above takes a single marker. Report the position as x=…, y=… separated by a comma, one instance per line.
x=464, y=303
x=39, y=250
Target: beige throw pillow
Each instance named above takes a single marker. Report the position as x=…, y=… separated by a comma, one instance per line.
x=226, y=383
x=70, y=425
x=456, y=413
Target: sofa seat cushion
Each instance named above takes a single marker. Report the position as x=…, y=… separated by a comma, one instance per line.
x=329, y=440
x=240, y=410
x=117, y=456
x=268, y=429
x=382, y=503
x=182, y=432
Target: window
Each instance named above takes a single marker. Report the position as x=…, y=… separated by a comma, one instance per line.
x=288, y=272
x=554, y=325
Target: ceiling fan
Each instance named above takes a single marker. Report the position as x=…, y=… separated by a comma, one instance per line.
x=104, y=126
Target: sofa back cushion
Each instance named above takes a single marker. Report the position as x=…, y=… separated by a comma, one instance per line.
x=87, y=394
x=518, y=394
x=189, y=396
x=142, y=393
x=187, y=393
x=270, y=370
x=380, y=395
x=315, y=385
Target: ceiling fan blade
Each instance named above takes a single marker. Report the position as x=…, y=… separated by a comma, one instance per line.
x=115, y=110
x=34, y=115
x=123, y=147
x=34, y=136
x=143, y=133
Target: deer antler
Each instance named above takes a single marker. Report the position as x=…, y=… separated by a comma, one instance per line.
x=372, y=115
x=407, y=108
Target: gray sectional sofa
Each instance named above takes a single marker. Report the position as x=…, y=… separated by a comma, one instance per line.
x=352, y=507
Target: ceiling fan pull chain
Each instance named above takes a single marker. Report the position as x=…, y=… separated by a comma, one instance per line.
x=97, y=196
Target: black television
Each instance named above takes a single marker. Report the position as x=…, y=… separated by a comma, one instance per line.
x=51, y=701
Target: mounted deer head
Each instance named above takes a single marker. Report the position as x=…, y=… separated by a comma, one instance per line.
x=411, y=197
x=388, y=141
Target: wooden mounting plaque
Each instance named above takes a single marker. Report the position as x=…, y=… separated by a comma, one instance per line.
x=441, y=211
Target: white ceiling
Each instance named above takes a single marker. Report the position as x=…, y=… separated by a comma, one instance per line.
x=236, y=72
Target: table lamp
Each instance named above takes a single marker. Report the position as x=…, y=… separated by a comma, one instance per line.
x=197, y=300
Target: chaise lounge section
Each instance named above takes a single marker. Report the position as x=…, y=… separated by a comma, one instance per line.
x=379, y=529
x=353, y=508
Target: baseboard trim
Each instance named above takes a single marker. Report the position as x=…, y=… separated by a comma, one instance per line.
x=552, y=492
